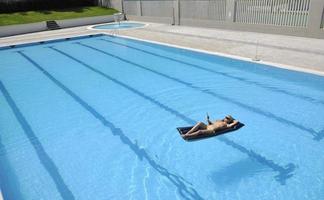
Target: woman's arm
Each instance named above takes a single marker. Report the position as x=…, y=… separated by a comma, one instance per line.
x=231, y=125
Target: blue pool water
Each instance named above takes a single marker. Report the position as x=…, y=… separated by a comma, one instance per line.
x=96, y=118
x=122, y=25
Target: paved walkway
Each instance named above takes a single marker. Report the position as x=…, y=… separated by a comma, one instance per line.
x=306, y=53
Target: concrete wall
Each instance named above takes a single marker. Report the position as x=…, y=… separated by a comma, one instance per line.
x=21, y=29
x=203, y=9
x=117, y=4
x=157, y=8
x=150, y=10
x=41, y=26
x=223, y=14
x=132, y=8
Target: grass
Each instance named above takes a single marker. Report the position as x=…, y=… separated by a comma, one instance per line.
x=44, y=15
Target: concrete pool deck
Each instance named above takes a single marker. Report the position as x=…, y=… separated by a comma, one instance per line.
x=297, y=53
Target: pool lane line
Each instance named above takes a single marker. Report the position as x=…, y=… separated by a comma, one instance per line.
x=184, y=190
x=320, y=135
x=284, y=172
x=265, y=86
x=44, y=158
x=139, y=93
x=316, y=136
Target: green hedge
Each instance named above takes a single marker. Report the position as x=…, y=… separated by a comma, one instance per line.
x=27, y=5
x=58, y=14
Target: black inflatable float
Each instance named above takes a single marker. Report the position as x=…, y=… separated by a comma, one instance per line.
x=184, y=130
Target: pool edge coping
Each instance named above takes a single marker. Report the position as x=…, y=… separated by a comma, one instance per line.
x=266, y=63
x=50, y=40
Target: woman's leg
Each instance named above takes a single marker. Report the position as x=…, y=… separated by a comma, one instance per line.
x=199, y=132
x=198, y=126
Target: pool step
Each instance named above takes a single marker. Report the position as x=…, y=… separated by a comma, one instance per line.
x=52, y=25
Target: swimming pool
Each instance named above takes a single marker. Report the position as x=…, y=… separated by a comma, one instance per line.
x=121, y=25
x=96, y=117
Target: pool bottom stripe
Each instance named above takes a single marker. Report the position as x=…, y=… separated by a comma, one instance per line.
x=128, y=87
x=44, y=158
x=184, y=189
